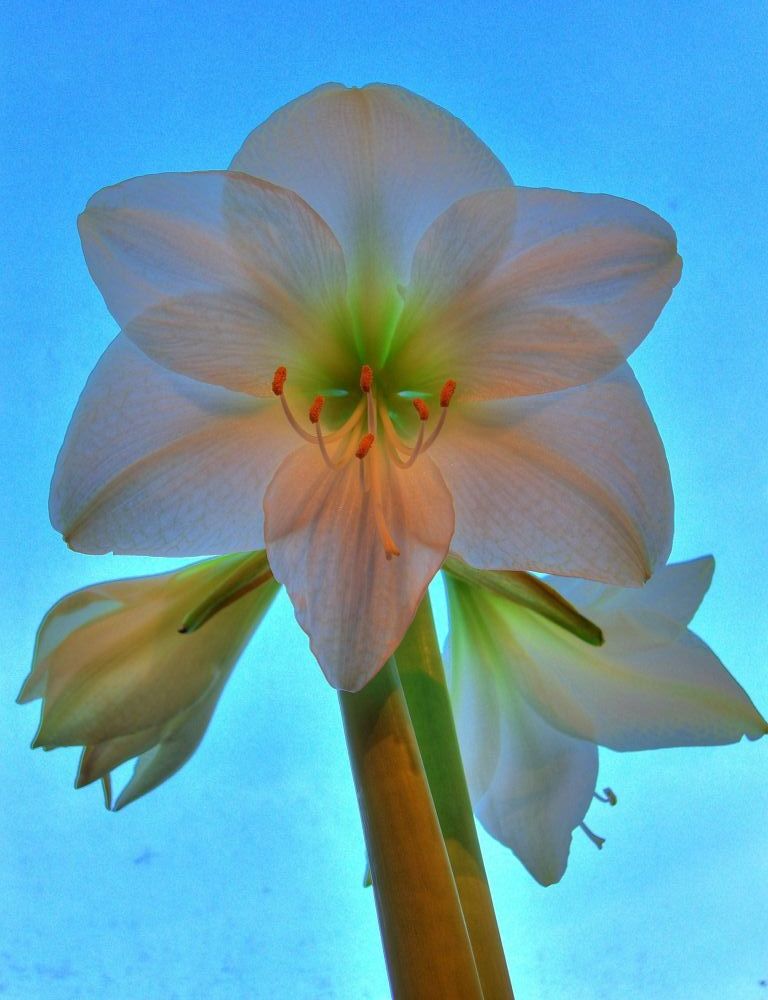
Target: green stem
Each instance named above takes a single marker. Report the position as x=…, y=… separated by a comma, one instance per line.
x=425, y=939
x=421, y=672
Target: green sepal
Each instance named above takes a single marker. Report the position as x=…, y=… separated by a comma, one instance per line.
x=249, y=570
x=529, y=592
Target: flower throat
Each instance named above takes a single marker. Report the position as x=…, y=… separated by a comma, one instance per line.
x=369, y=424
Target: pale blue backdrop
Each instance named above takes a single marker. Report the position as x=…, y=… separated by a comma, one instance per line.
x=242, y=876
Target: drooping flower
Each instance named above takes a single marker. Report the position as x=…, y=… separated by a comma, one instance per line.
x=533, y=701
x=295, y=331
x=134, y=668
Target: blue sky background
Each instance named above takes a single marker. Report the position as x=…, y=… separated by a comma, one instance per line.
x=242, y=876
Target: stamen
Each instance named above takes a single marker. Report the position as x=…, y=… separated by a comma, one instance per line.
x=390, y=548
x=597, y=841
x=278, y=380
x=421, y=408
x=366, y=443
x=293, y=421
x=366, y=385
x=316, y=408
x=608, y=796
x=344, y=451
x=366, y=378
x=446, y=393
x=278, y=385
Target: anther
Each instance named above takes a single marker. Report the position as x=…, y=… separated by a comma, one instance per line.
x=366, y=443
x=608, y=796
x=446, y=393
x=421, y=408
x=366, y=378
x=278, y=380
x=316, y=408
x=278, y=386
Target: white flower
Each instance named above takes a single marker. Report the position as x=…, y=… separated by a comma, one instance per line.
x=118, y=677
x=364, y=256
x=533, y=701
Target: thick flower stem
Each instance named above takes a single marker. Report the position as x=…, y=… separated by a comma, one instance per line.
x=420, y=667
x=425, y=938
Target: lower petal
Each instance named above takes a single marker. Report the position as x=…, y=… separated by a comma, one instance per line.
x=574, y=483
x=324, y=544
x=156, y=463
x=530, y=784
x=642, y=690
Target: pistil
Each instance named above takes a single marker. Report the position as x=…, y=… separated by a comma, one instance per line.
x=597, y=841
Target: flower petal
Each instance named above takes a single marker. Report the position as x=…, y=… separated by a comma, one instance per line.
x=523, y=291
x=216, y=275
x=649, y=686
x=157, y=463
x=530, y=784
x=162, y=761
x=574, y=483
x=323, y=544
x=99, y=760
x=378, y=163
x=128, y=670
x=674, y=593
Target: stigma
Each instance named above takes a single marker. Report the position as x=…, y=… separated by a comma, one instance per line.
x=370, y=436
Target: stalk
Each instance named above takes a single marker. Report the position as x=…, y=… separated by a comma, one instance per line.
x=426, y=945
x=420, y=667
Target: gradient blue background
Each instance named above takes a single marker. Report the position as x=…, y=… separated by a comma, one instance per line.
x=242, y=876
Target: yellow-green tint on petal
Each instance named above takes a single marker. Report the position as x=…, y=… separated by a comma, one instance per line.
x=127, y=668
x=529, y=592
x=652, y=684
x=247, y=574
x=531, y=785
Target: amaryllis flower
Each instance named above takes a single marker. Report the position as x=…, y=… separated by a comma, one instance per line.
x=533, y=701
x=358, y=347
x=134, y=668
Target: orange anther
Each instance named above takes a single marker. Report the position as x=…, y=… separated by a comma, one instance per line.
x=366, y=443
x=315, y=408
x=278, y=380
x=366, y=378
x=421, y=408
x=446, y=393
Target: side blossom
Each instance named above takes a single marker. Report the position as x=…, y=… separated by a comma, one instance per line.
x=134, y=668
x=361, y=346
x=533, y=701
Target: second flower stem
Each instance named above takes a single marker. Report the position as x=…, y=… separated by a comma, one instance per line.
x=420, y=667
x=423, y=929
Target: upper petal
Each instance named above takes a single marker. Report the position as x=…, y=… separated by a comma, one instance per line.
x=575, y=482
x=378, y=163
x=323, y=544
x=159, y=464
x=218, y=275
x=530, y=784
x=522, y=291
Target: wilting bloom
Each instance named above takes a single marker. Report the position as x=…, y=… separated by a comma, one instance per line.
x=358, y=347
x=134, y=668
x=533, y=701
